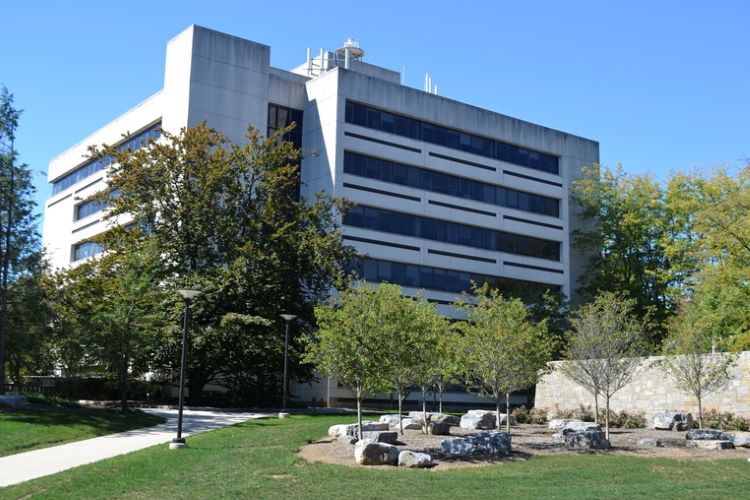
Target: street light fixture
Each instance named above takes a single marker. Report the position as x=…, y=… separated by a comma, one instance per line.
x=288, y=318
x=188, y=295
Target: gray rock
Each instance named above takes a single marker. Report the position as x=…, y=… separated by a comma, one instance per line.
x=352, y=429
x=650, y=443
x=439, y=429
x=673, y=420
x=586, y=440
x=710, y=444
x=369, y=453
x=559, y=423
x=283, y=415
x=16, y=401
x=391, y=420
x=389, y=437
x=741, y=439
x=576, y=426
x=478, y=419
x=411, y=424
x=488, y=444
x=442, y=418
x=414, y=459
x=347, y=439
x=708, y=435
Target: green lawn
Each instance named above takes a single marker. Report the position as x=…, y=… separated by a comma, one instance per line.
x=27, y=430
x=257, y=460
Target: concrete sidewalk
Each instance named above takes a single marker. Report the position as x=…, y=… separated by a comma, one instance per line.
x=32, y=464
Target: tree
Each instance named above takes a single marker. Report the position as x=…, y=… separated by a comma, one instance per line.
x=19, y=241
x=690, y=360
x=227, y=218
x=626, y=241
x=503, y=350
x=448, y=366
x=347, y=346
x=602, y=347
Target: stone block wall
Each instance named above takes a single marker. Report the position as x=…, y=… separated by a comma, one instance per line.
x=651, y=391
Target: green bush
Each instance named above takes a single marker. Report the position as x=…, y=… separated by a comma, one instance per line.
x=624, y=420
x=584, y=413
x=724, y=421
x=521, y=414
x=538, y=416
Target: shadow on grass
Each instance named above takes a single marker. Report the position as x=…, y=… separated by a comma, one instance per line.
x=105, y=421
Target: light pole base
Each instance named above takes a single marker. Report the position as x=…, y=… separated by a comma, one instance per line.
x=177, y=444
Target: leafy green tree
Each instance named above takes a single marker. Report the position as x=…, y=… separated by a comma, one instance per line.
x=348, y=346
x=605, y=340
x=690, y=360
x=19, y=240
x=554, y=310
x=501, y=347
x=628, y=228
x=227, y=218
x=448, y=366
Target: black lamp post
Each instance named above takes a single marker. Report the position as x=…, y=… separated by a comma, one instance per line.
x=288, y=318
x=189, y=296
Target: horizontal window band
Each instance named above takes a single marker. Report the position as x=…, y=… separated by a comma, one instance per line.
x=465, y=162
x=528, y=177
x=379, y=141
x=89, y=185
x=380, y=191
x=461, y=256
x=382, y=243
x=518, y=219
x=85, y=226
x=458, y=207
x=536, y=268
x=61, y=199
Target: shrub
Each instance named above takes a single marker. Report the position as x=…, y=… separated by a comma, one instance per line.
x=725, y=421
x=624, y=420
x=581, y=413
x=521, y=414
x=538, y=416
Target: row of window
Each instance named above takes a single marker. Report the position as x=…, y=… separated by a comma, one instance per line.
x=445, y=280
x=95, y=165
x=280, y=117
x=89, y=208
x=85, y=249
x=366, y=116
x=438, y=182
x=451, y=232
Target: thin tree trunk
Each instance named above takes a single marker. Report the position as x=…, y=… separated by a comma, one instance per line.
x=124, y=382
x=596, y=409
x=497, y=410
x=440, y=400
x=400, y=416
x=700, y=412
x=424, y=409
x=606, y=419
x=359, y=413
x=5, y=271
x=507, y=412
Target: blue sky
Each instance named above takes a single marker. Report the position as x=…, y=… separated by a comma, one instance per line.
x=662, y=85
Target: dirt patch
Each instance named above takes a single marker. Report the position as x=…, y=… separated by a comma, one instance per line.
x=528, y=441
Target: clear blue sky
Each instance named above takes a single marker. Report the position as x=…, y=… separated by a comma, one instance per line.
x=662, y=85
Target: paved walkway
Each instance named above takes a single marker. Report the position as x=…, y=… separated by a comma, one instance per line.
x=32, y=464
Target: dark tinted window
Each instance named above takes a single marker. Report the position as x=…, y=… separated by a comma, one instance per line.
x=388, y=221
x=366, y=116
x=430, y=180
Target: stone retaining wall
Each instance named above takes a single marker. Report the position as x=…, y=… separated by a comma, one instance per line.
x=651, y=391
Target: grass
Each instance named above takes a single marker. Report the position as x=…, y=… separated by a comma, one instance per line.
x=257, y=459
x=22, y=430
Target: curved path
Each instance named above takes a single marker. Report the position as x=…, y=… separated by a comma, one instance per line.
x=43, y=462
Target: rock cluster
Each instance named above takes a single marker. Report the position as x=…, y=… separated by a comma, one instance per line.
x=673, y=420
x=708, y=435
x=486, y=444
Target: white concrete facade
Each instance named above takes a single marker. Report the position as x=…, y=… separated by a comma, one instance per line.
x=229, y=83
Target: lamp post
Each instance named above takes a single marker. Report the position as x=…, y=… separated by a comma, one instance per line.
x=288, y=318
x=188, y=295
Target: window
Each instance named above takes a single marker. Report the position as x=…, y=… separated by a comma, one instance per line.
x=91, y=166
x=85, y=249
x=439, y=182
x=445, y=280
x=280, y=117
x=87, y=208
x=388, y=221
x=366, y=116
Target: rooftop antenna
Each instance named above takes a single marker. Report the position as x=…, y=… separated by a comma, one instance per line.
x=350, y=50
x=428, y=85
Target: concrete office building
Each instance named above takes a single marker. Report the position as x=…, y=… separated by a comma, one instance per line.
x=445, y=192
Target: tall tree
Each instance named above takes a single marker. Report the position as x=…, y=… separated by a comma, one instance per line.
x=227, y=218
x=626, y=241
x=604, y=343
x=19, y=241
x=690, y=360
x=501, y=347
